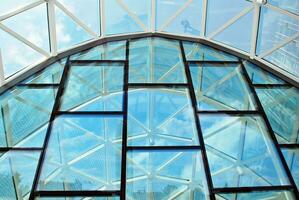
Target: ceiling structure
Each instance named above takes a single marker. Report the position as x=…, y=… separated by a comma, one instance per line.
x=32, y=31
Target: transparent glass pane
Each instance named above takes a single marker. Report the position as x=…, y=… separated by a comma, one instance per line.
x=282, y=109
x=95, y=87
x=274, y=28
x=107, y=51
x=84, y=153
x=165, y=175
x=8, y=6
x=289, y=5
x=50, y=75
x=68, y=33
x=32, y=24
x=220, y=87
x=219, y=12
x=286, y=57
x=180, y=16
x=260, y=76
x=156, y=60
x=292, y=158
x=127, y=16
x=240, y=152
x=87, y=12
x=160, y=117
x=196, y=51
x=78, y=198
x=17, y=170
x=16, y=55
x=236, y=35
x=17, y=108
x=279, y=195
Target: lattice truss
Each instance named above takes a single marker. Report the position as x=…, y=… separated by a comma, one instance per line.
x=32, y=31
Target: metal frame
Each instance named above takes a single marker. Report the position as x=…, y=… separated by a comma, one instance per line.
x=152, y=29
x=124, y=113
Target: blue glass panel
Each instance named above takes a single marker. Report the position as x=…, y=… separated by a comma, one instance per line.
x=7, y=6
x=290, y=5
x=107, y=51
x=84, y=153
x=17, y=108
x=17, y=170
x=159, y=117
x=126, y=16
x=240, y=152
x=236, y=35
x=279, y=195
x=260, y=76
x=196, y=51
x=156, y=60
x=50, y=75
x=31, y=24
x=88, y=12
x=180, y=16
x=292, y=158
x=282, y=106
x=95, y=87
x=220, y=12
x=220, y=87
x=165, y=175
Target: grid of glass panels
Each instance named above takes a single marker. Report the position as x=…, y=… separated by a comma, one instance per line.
x=150, y=118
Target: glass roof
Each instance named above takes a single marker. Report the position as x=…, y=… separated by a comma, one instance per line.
x=32, y=31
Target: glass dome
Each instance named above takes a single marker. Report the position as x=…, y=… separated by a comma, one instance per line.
x=32, y=31
x=150, y=118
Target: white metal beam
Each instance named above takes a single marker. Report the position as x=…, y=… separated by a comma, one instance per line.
x=52, y=27
x=102, y=16
x=255, y=27
x=22, y=9
x=204, y=18
x=282, y=11
x=283, y=43
x=175, y=15
x=22, y=39
x=75, y=19
x=230, y=22
x=153, y=16
x=2, y=78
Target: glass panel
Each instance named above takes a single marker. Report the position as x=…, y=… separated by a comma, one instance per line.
x=84, y=153
x=107, y=51
x=78, y=198
x=165, y=175
x=290, y=5
x=292, y=158
x=127, y=16
x=282, y=109
x=286, y=57
x=31, y=24
x=95, y=87
x=196, y=51
x=87, y=12
x=274, y=28
x=240, y=152
x=180, y=16
x=275, y=195
x=50, y=75
x=68, y=33
x=260, y=76
x=8, y=6
x=219, y=12
x=17, y=170
x=160, y=117
x=17, y=108
x=232, y=35
x=156, y=60
x=220, y=87
x=17, y=55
